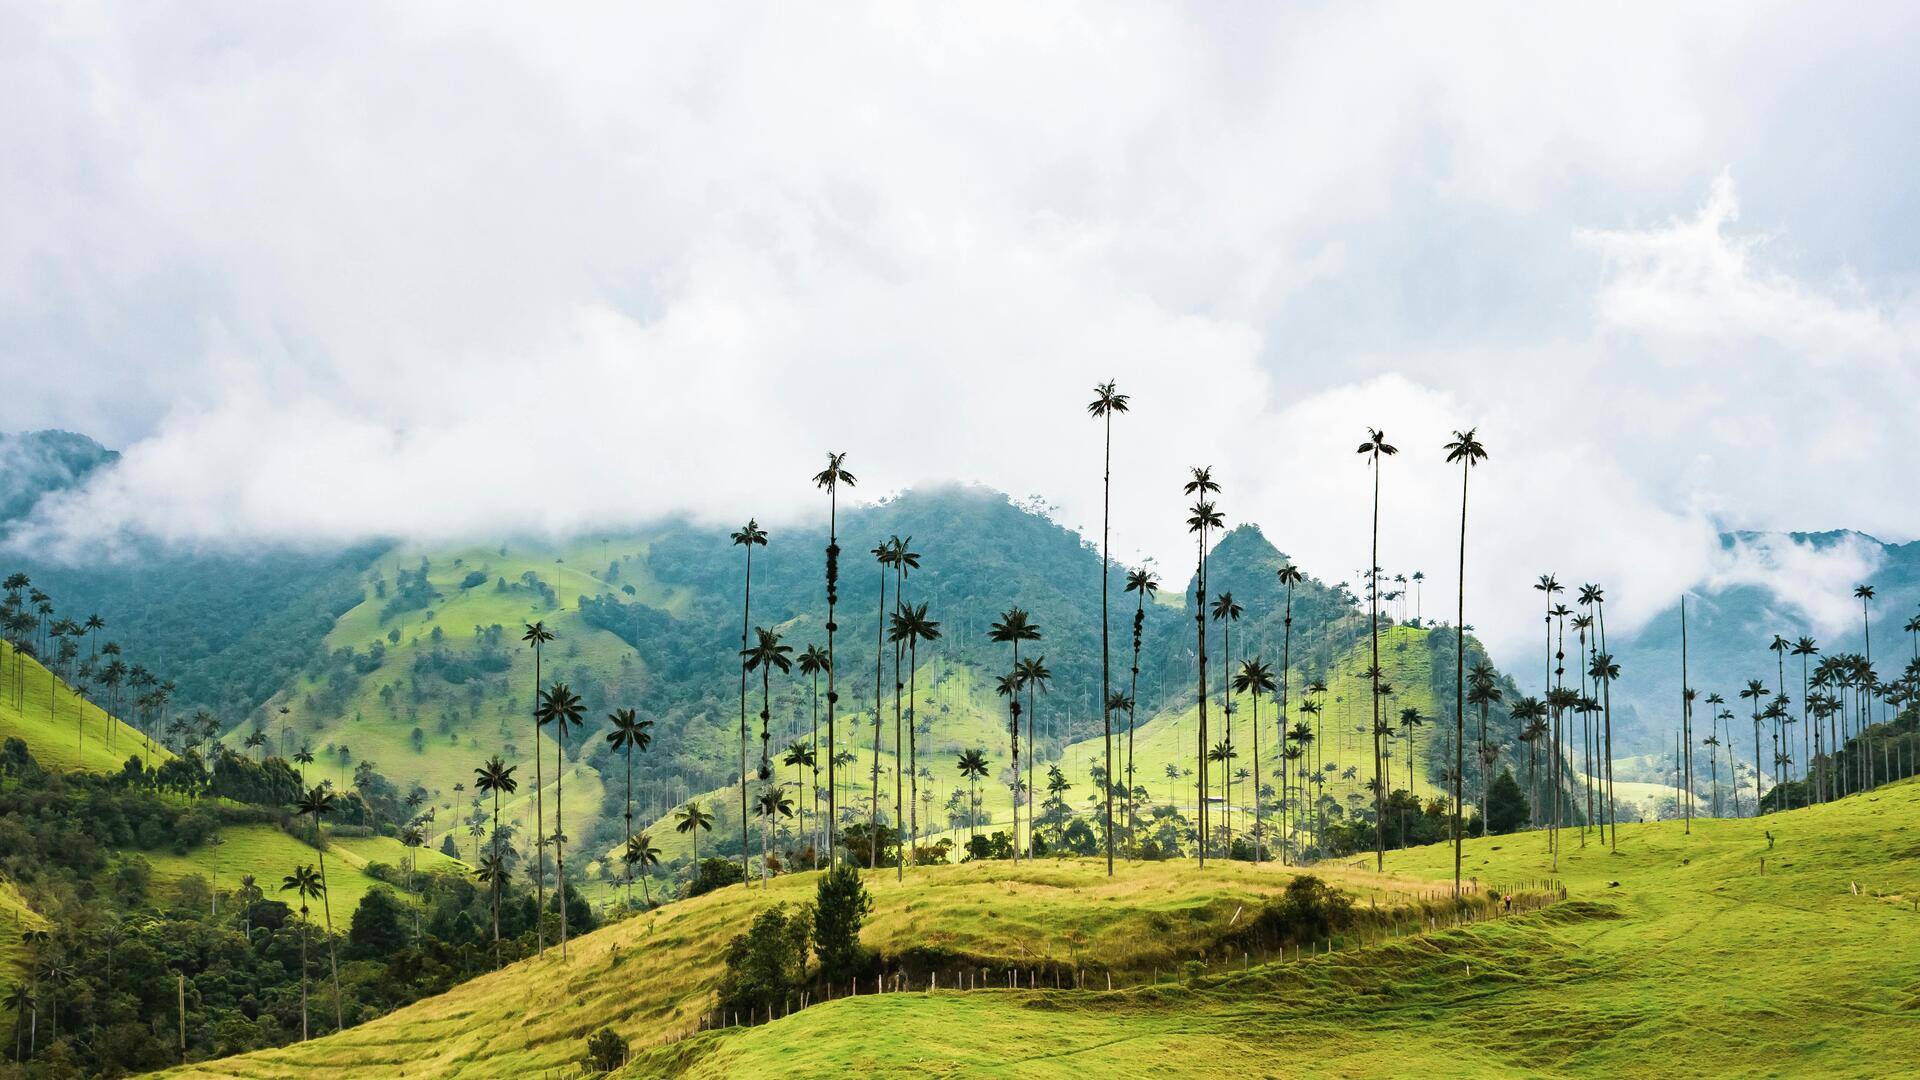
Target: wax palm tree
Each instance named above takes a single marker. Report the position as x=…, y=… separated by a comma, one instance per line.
x=912, y=626
x=1468, y=451
x=493, y=873
x=317, y=804
x=1804, y=647
x=561, y=707
x=641, y=852
x=305, y=885
x=766, y=656
x=813, y=661
x=255, y=740
x=748, y=536
x=693, y=818
x=1013, y=628
x=1756, y=692
x=536, y=636
x=829, y=479
x=799, y=756
x=21, y=1000
x=1254, y=678
x=1531, y=714
x=303, y=757
x=887, y=555
x=1223, y=754
x=1106, y=402
x=1202, y=519
x=630, y=733
x=496, y=778
x=973, y=766
x=1373, y=449
x=1034, y=677
x=772, y=805
x=1143, y=585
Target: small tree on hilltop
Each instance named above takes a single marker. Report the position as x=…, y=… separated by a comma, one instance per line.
x=840, y=906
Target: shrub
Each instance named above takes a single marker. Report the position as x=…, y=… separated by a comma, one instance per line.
x=605, y=1051
x=1506, y=804
x=714, y=874
x=841, y=905
x=768, y=963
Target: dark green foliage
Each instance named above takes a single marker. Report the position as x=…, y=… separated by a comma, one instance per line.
x=840, y=906
x=605, y=1051
x=380, y=926
x=714, y=874
x=1309, y=911
x=768, y=964
x=858, y=841
x=242, y=779
x=996, y=845
x=1506, y=804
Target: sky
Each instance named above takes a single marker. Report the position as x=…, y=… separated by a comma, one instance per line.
x=443, y=270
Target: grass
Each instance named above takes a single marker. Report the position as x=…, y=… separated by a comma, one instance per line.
x=269, y=854
x=72, y=733
x=15, y=919
x=1675, y=956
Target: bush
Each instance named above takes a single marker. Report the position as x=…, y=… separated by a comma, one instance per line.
x=996, y=846
x=1507, y=808
x=605, y=1051
x=767, y=964
x=714, y=874
x=841, y=904
x=1310, y=910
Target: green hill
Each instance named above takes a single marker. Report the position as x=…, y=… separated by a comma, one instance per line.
x=68, y=731
x=1807, y=967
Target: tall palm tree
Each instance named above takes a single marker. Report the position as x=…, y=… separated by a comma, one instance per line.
x=495, y=778
x=1531, y=714
x=1202, y=519
x=813, y=661
x=561, y=707
x=1223, y=754
x=973, y=766
x=630, y=733
x=537, y=635
x=772, y=805
x=1227, y=611
x=1756, y=692
x=640, y=850
x=1106, y=402
x=1373, y=449
x=912, y=626
x=1034, y=676
x=1142, y=584
x=748, y=536
x=1804, y=647
x=830, y=479
x=1468, y=451
x=766, y=656
x=887, y=554
x=692, y=819
x=1013, y=628
x=1254, y=678
x=305, y=885
x=316, y=804
x=905, y=559
x=799, y=756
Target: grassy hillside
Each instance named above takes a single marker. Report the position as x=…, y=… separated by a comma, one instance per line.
x=1678, y=956
x=16, y=918
x=269, y=854
x=72, y=732
x=651, y=977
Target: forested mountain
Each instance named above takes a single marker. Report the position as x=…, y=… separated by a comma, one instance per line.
x=34, y=464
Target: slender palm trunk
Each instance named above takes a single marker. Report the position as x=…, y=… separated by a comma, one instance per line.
x=1286, y=674
x=1460, y=679
x=1133, y=708
x=746, y=616
x=333, y=955
x=1200, y=624
x=913, y=743
x=1373, y=634
x=629, y=819
x=559, y=834
x=833, y=793
x=1013, y=720
x=766, y=786
x=539, y=818
x=879, y=660
x=303, y=973
x=899, y=746
x=1106, y=714
x=1259, y=819
x=495, y=890
x=816, y=770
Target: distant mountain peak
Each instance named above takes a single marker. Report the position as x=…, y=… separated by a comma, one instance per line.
x=34, y=464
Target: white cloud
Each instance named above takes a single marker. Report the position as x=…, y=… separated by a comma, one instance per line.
x=454, y=269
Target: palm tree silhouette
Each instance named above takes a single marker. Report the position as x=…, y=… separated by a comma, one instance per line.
x=1373, y=450
x=1254, y=678
x=1804, y=647
x=830, y=479
x=640, y=850
x=692, y=819
x=904, y=559
x=561, y=707
x=1142, y=584
x=799, y=756
x=1201, y=519
x=1106, y=402
x=316, y=804
x=748, y=536
x=813, y=661
x=1034, y=676
x=1755, y=692
x=537, y=635
x=1227, y=612
x=973, y=766
x=1224, y=754
x=772, y=805
x=1468, y=451
x=1531, y=714
x=887, y=554
x=766, y=655
x=912, y=626
x=305, y=885
x=1013, y=628
x=630, y=733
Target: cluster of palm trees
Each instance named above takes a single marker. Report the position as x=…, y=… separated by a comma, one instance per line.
x=72, y=653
